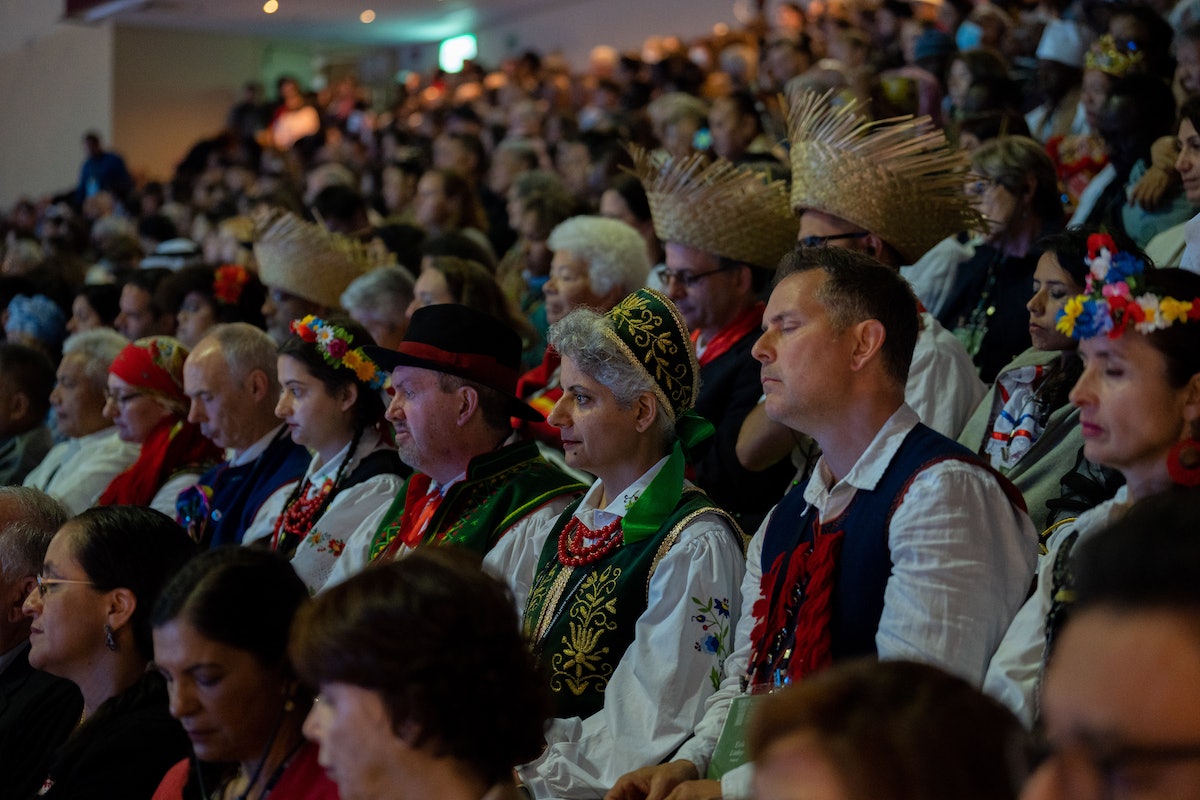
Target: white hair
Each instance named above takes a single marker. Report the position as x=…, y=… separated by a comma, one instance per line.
x=614, y=252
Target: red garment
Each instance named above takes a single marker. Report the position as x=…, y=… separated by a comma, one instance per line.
x=137, y=366
x=741, y=325
x=173, y=446
x=304, y=779
x=542, y=381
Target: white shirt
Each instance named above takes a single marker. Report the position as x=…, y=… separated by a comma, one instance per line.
x=315, y=556
x=657, y=693
x=512, y=559
x=1012, y=676
x=77, y=471
x=943, y=385
x=955, y=583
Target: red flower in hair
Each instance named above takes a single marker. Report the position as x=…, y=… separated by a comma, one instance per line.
x=304, y=329
x=337, y=348
x=1098, y=241
x=228, y=283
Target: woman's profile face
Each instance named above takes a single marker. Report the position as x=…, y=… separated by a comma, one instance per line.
x=1053, y=286
x=363, y=767
x=430, y=289
x=597, y=434
x=1129, y=414
x=133, y=412
x=68, y=614
x=225, y=698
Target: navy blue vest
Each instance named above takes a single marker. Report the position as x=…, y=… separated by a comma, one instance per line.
x=865, y=563
x=239, y=492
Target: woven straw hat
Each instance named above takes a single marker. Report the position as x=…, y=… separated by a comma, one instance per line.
x=897, y=178
x=305, y=259
x=717, y=207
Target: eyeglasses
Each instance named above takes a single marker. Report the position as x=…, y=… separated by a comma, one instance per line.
x=122, y=400
x=978, y=188
x=689, y=279
x=821, y=241
x=44, y=584
x=1085, y=761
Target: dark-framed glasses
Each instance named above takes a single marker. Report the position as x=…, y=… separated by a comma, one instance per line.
x=821, y=241
x=688, y=279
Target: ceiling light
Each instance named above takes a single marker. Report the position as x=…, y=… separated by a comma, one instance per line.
x=271, y=6
x=367, y=17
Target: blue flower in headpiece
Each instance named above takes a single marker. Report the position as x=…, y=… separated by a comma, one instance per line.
x=1094, y=320
x=1124, y=265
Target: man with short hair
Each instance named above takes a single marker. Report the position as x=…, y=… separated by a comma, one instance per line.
x=1121, y=697
x=230, y=378
x=26, y=381
x=881, y=552
x=724, y=229
x=142, y=313
x=454, y=377
x=37, y=710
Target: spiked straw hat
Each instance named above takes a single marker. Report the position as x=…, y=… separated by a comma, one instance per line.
x=305, y=259
x=717, y=207
x=897, y=178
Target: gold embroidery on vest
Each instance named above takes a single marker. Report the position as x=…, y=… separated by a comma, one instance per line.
x=581, y=666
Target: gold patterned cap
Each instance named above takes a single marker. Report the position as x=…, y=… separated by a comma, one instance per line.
x=306, y=260
x=653, y=335
x=717, y=207
x=1108, y=57
x=897, y=178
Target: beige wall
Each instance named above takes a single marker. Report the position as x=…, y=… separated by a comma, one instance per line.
x=172, y=89
x=575, y=27
x=55, y=83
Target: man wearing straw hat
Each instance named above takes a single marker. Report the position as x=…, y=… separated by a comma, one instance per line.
x=724, y=229
x=881, y=553
x=305, y=268
x=892, y=192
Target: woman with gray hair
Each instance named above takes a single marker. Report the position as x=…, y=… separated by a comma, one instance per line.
x=596, y=262
x=78, y=469
x=630, y=607
x=378, y=301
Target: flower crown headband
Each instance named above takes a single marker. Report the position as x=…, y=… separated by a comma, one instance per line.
x=1117, y=297
x=333, y=343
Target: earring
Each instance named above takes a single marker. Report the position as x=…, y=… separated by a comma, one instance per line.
x=109, y=641
x=1183, y=463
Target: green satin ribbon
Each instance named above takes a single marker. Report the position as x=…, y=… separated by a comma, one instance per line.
x=646, y=515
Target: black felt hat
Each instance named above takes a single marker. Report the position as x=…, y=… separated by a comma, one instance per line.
x=461, y=341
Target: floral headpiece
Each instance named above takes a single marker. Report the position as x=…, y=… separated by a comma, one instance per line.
x=1108, y=57
x=228, y=283
x=333, y=343
x=1117, y=297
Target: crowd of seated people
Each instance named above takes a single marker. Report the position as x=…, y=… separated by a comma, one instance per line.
x=518, y=438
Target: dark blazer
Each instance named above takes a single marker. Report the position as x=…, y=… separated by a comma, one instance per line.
x=37, y=713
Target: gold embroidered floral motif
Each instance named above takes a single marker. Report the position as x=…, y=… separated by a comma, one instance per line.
x=581, y=666
x=645, y=329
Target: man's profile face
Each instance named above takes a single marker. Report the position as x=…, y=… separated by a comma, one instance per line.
x=707, y=303
x=1121, y=706
x=136, y=319
x=802, y=354
x=220, y=405
x=424, y=417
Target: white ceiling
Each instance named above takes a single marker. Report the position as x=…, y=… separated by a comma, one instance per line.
x=329, y=21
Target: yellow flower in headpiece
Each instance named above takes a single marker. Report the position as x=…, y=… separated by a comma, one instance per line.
x=364, y=369
x=1070, y=313
x=1174, y=310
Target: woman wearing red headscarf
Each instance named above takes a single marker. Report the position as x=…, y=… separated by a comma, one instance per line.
x=146, y=403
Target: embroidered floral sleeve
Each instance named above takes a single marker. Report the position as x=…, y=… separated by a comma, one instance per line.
x=713, y=619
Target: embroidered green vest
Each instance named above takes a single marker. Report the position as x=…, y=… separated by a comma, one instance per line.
x=587, y=616
x=500, y=488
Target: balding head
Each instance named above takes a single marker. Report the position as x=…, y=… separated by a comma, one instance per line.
x=231, y=381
